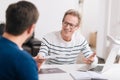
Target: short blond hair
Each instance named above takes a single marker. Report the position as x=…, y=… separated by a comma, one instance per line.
x=74, y=13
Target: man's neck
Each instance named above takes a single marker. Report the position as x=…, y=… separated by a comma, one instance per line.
x=19, y=40
x=66, y=38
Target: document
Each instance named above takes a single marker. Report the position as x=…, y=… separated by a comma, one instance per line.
x=88, y=75
x=50, y=70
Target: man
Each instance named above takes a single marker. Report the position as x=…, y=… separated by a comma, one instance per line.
x=15, y=63
x=66, y=44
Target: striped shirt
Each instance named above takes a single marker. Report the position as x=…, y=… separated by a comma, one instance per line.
x=53, y=44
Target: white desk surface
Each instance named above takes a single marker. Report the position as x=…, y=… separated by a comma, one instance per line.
x=112, y=74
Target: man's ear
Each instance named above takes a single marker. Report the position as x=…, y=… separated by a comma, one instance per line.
x=31, y=29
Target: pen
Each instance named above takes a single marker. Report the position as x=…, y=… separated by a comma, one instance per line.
x=71, y=76
x=98, y=79
x=82, y=70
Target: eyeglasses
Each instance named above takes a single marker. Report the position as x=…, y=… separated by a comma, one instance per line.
x=70, y=24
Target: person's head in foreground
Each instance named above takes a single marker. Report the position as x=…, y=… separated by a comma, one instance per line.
x=17, y=64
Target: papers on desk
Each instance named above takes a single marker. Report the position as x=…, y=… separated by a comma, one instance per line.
x=50, y=70
x=58, y=76
x=53, y=74
x=88, y=75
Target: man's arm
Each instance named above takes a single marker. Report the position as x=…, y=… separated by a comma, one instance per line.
x=92, y=60
x=39, y=60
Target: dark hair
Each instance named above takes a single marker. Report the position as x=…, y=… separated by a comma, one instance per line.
x=20, y=16
x=2, y=28
x=74, y=13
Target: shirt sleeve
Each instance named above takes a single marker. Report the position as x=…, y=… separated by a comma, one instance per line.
x=86, y=50
x=44, y=48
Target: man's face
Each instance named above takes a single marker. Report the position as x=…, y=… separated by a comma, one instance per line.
x=69, y=25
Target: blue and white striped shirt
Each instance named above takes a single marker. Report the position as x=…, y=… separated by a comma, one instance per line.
x=53, y=44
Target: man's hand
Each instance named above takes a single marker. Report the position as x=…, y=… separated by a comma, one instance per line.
x=39, y=60
x=90, y=59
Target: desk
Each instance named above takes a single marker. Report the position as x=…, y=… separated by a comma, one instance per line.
x=112, y=74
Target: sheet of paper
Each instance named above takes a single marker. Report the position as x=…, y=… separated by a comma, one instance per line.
x=77, y=75
x=57, y=76
x=50, y=71
x=88, y=75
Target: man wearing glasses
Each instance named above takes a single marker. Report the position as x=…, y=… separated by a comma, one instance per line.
x=66, y=44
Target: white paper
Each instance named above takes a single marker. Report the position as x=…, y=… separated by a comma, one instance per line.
x=76, y=75
x=88, y=75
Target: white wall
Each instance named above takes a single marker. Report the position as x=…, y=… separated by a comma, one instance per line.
x=3, y=6
x=95, y=19
x=91, y=18
x=51, y=13
x=105, y=15
x=102, y=29
x=115, y=19
x=102, y=16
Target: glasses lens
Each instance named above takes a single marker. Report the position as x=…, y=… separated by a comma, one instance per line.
x=70, y=24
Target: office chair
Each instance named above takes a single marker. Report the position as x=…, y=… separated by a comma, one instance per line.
x=2, y=28
x=32, y=45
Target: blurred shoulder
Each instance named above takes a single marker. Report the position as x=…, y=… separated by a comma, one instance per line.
x=78, y=36
x=52, y=36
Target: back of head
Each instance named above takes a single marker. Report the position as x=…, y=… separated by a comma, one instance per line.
x=20, y=16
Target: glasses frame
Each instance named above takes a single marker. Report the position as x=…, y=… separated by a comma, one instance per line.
x=65, y=23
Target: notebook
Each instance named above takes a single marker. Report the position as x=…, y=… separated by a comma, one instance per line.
x=109, y=62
